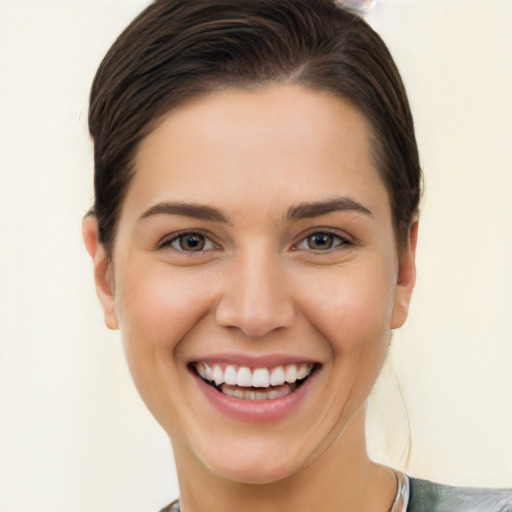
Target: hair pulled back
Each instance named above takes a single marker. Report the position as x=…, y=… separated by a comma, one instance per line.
x=177, y=50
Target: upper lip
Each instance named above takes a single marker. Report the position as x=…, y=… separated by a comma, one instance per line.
x=252, y=361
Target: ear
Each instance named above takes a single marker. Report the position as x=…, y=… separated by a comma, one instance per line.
x=102, y=270
x=406, y=278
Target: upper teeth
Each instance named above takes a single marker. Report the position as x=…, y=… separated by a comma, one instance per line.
x=244, y=376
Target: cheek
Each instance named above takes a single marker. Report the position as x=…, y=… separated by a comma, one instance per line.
x=158, y=305
x=353, y=309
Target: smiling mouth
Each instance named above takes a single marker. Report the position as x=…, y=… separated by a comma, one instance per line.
x=261, y=383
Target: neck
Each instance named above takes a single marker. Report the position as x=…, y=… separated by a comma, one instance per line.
x=341, y=479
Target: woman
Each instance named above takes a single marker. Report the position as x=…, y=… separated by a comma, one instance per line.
x=253, y=236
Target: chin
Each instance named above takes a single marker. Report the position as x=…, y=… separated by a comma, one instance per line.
x=255, y=461
x=255, y=472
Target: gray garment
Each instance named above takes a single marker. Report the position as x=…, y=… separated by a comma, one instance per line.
x=173, y=507
x=425, y=496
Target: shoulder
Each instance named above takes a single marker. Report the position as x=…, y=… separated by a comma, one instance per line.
x=425, y=496
x=428, y=496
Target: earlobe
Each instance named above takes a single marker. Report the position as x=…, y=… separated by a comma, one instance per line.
x=406, y=278
x=102, y=270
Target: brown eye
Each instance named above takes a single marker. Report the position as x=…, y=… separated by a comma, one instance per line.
x=321, y=241
x=190, y=242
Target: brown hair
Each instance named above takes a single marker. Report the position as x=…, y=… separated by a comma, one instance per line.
x=176, y=50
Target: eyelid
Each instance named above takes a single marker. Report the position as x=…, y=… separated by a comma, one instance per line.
x=345, y=239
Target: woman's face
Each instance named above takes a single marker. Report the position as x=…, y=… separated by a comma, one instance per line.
x=255, y=246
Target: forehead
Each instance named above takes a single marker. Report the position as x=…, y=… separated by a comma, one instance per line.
x=283, y=144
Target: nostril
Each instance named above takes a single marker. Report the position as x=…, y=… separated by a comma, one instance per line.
x=256, y=320
x=255, y=325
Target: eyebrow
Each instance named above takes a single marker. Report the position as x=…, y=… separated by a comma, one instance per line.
x=304, y=210
x=196, y=211
x=317, y=208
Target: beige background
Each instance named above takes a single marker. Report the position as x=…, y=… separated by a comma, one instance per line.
x=74, y=436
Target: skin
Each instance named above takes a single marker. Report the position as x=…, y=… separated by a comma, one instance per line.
x=260, y=287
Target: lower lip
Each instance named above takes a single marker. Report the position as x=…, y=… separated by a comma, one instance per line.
x=257, y=411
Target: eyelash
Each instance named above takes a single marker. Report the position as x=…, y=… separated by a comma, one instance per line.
x=176, y=241
x=336, y=241
x=180, y=237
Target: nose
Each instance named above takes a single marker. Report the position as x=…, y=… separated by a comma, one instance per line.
x=255, y=297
